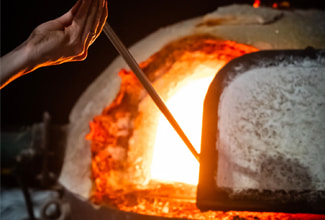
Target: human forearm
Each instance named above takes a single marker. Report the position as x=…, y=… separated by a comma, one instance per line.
x=16, y=63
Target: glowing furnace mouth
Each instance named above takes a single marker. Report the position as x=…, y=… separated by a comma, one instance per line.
x=129, y=149
x=172, y=161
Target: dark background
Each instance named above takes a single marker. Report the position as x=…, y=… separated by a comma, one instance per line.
x=56, y=89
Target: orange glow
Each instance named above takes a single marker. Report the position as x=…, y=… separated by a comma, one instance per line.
x=183, y=69
x=256, y=3
x=172, y=161
x=282, y=4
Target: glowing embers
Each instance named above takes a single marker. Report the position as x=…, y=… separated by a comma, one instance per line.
x=172, y=161
x=273, y=4
x=257, y=3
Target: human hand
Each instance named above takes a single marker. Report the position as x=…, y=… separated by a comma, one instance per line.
x=68, y=37
x=61, y=40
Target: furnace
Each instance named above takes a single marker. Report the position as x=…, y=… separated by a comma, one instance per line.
x=112, y=169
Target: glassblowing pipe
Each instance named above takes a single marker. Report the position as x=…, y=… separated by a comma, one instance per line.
x=123, y=51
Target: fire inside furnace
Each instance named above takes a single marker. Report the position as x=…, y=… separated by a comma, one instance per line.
x=187, y=107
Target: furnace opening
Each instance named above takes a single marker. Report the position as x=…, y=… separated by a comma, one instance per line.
x=136, y=166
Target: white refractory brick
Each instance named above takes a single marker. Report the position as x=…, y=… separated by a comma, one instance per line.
x=272, y=129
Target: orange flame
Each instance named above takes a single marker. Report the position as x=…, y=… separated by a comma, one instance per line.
x=256, y=3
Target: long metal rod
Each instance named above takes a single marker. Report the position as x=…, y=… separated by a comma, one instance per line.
x=119, y=46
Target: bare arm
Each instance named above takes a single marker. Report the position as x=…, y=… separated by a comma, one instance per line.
x=64, y=39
